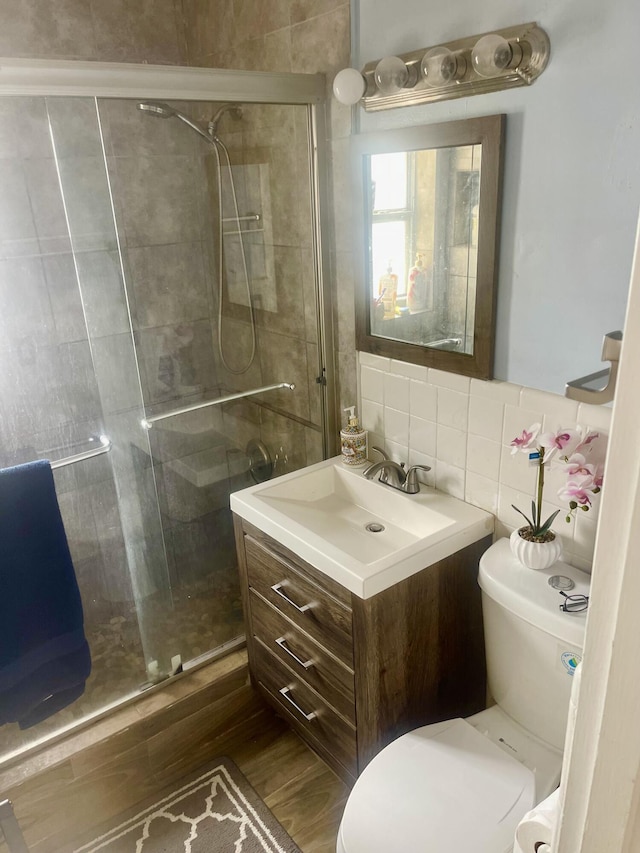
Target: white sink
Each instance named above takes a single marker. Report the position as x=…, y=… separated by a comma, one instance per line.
x=322, y=514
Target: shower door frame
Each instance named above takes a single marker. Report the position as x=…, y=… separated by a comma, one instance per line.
x=70, y=78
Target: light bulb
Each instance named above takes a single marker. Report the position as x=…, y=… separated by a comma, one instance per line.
x=391, y=75
x=349, y=86
x=492, y=54
x=440, y=66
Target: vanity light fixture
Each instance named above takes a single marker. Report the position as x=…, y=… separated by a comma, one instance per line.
x=504, y=59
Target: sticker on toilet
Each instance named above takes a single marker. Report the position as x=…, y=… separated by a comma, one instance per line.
x=568, y=660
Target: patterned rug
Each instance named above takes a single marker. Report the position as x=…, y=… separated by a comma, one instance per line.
x=214, y=811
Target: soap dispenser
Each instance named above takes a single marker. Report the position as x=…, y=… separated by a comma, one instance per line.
x=353, y=440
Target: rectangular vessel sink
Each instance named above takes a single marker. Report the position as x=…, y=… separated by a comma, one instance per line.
x=331, y=516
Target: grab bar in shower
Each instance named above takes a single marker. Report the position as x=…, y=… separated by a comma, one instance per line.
x=105, y=447
x=147, y=423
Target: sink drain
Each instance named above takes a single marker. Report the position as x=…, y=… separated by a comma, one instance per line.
x=374, y=527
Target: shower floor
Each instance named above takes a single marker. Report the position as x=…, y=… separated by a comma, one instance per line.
x=206, y=614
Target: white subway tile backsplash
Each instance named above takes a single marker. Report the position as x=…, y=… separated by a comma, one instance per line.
x=396, y=426
x=483, y=457
x=502, y=392
x=377, y=361
x=453, y=408
x=595, y=417
x=516, y=420
x=462, y=429
x=372, y=417
x=423, y=400
x=372, y=384
x=481, y=491
x=413, y=371
x=453, y=381
x=486, y=417
x=558, y=411
x=451, y=446
x=422, y=435
x=450, y=479
x=396, y=392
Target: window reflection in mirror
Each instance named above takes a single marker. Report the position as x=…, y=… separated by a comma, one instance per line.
x=429, y=233
x=423, y=208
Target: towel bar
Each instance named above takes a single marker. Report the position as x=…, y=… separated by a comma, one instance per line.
x=105, y=447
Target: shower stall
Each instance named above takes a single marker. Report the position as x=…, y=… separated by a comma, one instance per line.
x=165, y=337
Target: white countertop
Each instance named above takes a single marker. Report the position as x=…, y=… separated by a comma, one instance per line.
x=294, y=510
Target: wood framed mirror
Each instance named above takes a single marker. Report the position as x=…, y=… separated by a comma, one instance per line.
x=429, y=232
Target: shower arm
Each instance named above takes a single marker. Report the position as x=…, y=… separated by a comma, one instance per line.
x=147, y=423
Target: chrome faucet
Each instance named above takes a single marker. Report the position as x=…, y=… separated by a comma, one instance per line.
x=392, y=474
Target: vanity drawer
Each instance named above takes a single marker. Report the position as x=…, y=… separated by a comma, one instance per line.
x=327, y=675
x=315, y=720
x=302, y=601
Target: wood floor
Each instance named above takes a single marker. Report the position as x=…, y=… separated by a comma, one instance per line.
x=302, y=792
x=91, y=776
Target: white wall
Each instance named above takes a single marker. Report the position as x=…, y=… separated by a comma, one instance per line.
x=572, y=168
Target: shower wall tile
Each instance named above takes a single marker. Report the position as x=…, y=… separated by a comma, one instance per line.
x=320, y=44
x=159, y=198
x=47, y=205
x=17, y=228
x=169, y=284
x=146, y=30
x=103, y=295
x=64, y=296
x=88, y=203
x=80, y=387
x=116, y=373
x=177, y=361
x=32, y=28
x=284, y=359
x=24, y=128
x=25, y=311
x=74, y=127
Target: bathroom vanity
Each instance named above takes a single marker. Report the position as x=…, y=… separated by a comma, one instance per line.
x=353, y=666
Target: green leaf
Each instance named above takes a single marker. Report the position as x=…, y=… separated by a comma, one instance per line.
x=528, y=520
x=547, y=525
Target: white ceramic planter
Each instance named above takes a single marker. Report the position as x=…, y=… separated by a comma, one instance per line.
x=535, y=555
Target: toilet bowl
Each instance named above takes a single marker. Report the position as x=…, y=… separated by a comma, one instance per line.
x=464, y=784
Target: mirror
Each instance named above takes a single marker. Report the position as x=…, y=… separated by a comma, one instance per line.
x=429, y=232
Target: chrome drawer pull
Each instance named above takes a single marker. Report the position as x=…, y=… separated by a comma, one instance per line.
x=282, y=642
x=285, y=691
x=277, y=588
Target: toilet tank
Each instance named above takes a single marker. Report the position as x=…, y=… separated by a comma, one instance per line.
x=532, y=646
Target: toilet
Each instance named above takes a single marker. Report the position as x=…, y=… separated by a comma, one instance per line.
x=464, y=784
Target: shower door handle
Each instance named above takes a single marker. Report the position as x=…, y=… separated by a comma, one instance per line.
x=282, y=642
x=277, y=588
x=285, y=692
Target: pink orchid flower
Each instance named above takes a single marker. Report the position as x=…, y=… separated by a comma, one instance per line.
x=578, y=491
x=578, y=465
x=525, y=441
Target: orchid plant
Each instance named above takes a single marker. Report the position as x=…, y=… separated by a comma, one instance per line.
x=582, y=456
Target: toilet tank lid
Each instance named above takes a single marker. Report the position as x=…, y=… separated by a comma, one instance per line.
x=527, y=593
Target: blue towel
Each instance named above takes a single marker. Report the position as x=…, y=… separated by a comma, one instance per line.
x=44, y=656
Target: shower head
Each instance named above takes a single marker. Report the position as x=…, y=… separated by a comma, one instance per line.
x=157, y=109
x=162, y=110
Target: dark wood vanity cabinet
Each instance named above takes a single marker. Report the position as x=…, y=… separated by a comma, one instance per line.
x=351, y=674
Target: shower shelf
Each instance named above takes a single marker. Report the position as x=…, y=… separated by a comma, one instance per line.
x=147, y=423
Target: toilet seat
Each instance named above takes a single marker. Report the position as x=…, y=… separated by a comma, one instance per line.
x=443, y=788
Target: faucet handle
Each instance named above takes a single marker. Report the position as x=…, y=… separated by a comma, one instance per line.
x=384, y=475
x=412, y=484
